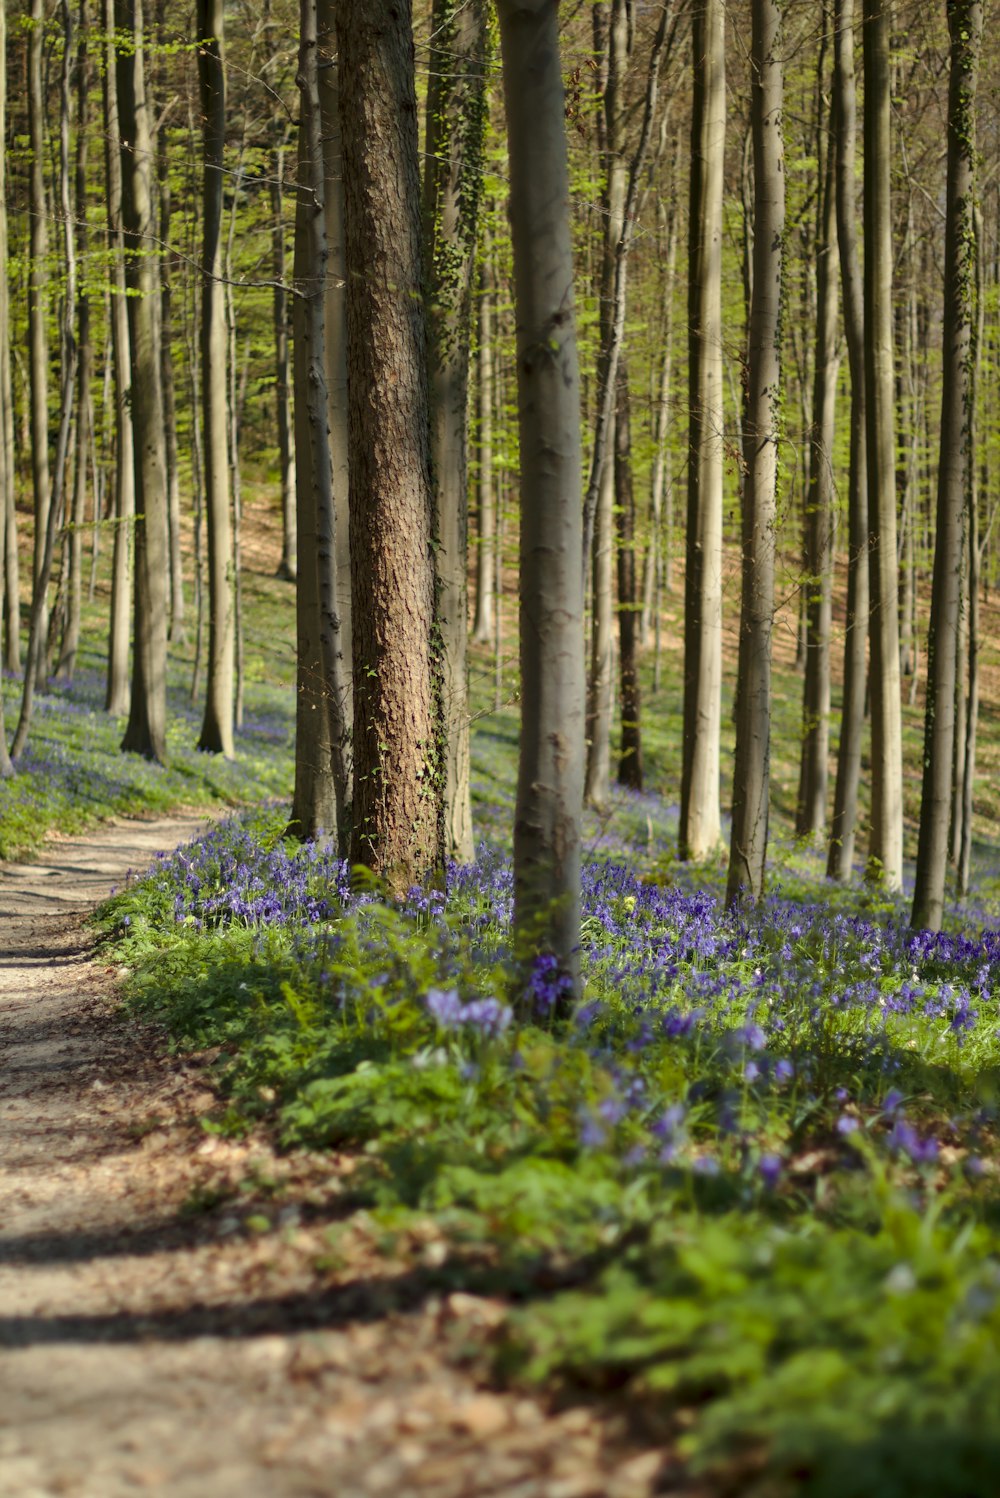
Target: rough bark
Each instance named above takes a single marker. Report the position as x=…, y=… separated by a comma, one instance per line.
x=965, y=25
x=751, y=778
x=547, y=821
x=397, y=830
x=840, y=859
x=482, y=629
x=885, y=847
x=630, y=759
x=177, y=610
x=146, y=730
x=700, y=824
x=6, y=455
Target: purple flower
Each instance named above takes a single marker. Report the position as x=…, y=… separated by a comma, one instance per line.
x=770, y=1170
x=905, y=1140
x=892, y=1101
x=784, y=1071
x=847, y=1125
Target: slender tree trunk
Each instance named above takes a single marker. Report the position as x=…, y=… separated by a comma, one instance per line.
x=217, y=723
x=482, y=630
x=397, y=830
x=288, y=565
x=700, y=824
x=177, y=631
x=6, y=394
x=840, y=859
x=813, y=769
x=85, y=368
x=38, y=239
x=751, y=779
x=146, y=730
x=659, y=559
x=547, y=821
x=965, y=25
x=118, y=690
x=630, y=760
x=885, y=848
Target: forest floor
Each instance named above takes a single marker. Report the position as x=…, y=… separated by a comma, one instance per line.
x=148, y=1344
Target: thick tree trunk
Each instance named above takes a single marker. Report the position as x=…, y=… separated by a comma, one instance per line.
x=965, y=25
x=217, y=723
x=456, y=120
x=840, y=859
x=146, y=731
x=397, y=828
x=810, y=817
x=117, y=690
x=630, y=760
x=547, y=821
x=177, y=631
x=751, y=778
x=885, y=848
x=700, y=824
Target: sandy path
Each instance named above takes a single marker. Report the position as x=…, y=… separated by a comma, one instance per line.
x=146, y=1347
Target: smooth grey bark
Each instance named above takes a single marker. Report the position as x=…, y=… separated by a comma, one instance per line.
x=885, y=846
x=85, y=368
x=38, y=352
x=397, y=828
x=659, y=558
x=840, y=859
x=146, y=730
x=761, y=432
x=456, y=121
x=288, y=566
x=980, y=479
x=810, y=817
x=701, y=821
x=486, y=515
x=117, y=694
x=177, y=609
x=337, y=584
x=217, y=721
x=548, y=813
x=965, y=26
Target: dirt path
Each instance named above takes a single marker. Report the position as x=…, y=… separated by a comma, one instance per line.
x=173, y=1318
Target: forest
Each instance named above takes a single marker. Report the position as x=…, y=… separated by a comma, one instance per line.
x=523, y=478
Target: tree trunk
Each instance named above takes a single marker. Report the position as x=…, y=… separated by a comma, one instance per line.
x=630, y=760
x=85, y=369
x=397, y=829
x=885, y=848
x=659, y=558
x=217, y=723
x=456, y=120
x=965, y=25
x=751, y=778
x=482, y=630
x=840, y=859
x=547, y=820
x=811, y=809
x=118, y=691
x=700, y=824
x=177, y=631
x=6, y=453
x=38, y=240
x=146, y=730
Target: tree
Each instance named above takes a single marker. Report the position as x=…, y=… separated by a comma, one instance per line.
x=630, y=759
x=38, y=318
x=547, y=818
x=6, y=467
x=320, y=803
x=118, y=691
x=761, y=433
x=397, y=825
x=965, y=26
x=700, y=824
x=845, y=803
x=146, y=730
x=885, y=848
x=217, y=723
x=456, y=120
